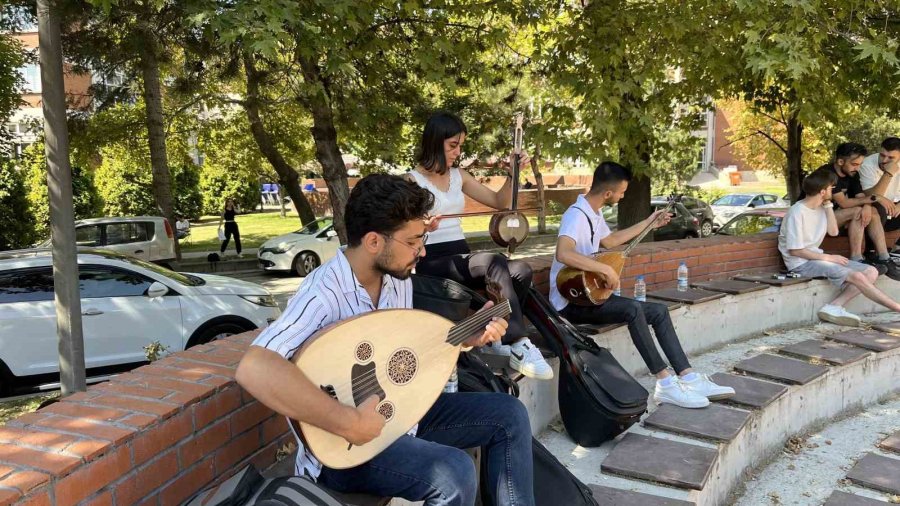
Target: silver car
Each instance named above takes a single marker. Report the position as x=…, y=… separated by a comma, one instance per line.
x=149, y=238
x=302, y=251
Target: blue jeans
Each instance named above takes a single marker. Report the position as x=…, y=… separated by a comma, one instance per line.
x=433, y=467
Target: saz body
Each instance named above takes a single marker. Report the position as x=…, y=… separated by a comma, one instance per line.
x=404, y=356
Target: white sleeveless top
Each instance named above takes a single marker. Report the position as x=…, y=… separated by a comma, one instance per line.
x=450, y=202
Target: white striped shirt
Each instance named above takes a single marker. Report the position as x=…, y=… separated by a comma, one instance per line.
x=329, y=294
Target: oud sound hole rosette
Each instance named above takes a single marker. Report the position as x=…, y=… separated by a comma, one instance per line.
x=402, y=366
x=364, y=351
x=386, y=409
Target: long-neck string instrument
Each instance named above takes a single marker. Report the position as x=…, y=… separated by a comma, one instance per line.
x=508, y=227
x=404, y=356
x=586, y=288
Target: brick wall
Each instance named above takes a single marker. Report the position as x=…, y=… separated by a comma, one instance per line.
x=153, y=436
x=717, y=257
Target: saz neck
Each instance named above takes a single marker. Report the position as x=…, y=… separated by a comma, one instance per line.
x=464, y=329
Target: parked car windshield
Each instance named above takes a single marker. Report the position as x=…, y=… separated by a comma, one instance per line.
x=733, y=200
x=315, y=227
x=751, y=224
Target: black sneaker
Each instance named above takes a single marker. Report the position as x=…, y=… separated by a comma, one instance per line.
x=892, y=269
x=880, y=265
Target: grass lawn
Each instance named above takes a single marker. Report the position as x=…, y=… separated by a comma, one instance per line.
x=257, y=228
x=12, y=409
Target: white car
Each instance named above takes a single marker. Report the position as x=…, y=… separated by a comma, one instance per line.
x=149, y=238
x=727, y=207
x=126, y=304
x=301, y=251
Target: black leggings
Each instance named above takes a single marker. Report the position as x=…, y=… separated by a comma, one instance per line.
x=472, y=269
x=637, y=315
x=231, y=229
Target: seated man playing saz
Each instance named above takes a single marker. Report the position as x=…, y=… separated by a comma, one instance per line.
x=386, y=231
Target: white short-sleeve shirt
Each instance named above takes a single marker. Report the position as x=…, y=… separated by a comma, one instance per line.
x=329, y=294
x=802, y=228
x=870, y=173
x=578, y=223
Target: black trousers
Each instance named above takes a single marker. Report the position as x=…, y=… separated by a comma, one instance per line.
x=638, y=315
x=231, y=229
x=454, y=261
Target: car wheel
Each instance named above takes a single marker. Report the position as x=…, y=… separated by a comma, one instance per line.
x=706, y=228
x=304, y=263
x=218, y=331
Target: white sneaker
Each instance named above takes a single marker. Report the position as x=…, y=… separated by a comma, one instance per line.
x=676, y=393
x=838, y=315
x=527, y=359
x=704, y=386
x=496, y=348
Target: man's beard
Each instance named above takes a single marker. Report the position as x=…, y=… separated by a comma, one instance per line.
x=383, y=264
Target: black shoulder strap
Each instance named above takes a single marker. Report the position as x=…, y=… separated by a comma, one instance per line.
x=590, y=224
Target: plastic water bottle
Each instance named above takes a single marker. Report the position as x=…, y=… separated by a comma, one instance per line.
x=683, y=277
x=640, y=289
x=452, y=385
x=618, y=291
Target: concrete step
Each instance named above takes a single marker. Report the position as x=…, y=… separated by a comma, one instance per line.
x=750, y=392
x=825, y=351
x=878, y=473
x=783, y=369
x=839, y=498
x=716, y=422
x=868, y=339
x=891, y=444
x=673, y=463
x=618, y=497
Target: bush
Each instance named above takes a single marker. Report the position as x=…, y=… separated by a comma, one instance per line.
x=15, y=211
x=186, y=191
x=85, y=197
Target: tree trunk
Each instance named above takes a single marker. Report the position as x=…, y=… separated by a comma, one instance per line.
x=635, y=206
x=794, y=156
x=287, y=175
x=327, y=151
x=539, y=180
x=156, y=132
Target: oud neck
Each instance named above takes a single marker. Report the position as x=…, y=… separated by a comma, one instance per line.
x=464, y=329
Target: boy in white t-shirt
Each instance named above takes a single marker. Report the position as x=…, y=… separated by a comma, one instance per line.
x=582, y=231
x=802, y=231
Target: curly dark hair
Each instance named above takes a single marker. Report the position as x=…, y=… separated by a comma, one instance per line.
x=383, y=203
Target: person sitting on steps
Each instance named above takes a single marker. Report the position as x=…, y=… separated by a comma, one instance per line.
x=582, y=231
x=802, y=232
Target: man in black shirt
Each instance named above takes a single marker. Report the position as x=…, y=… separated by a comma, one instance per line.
x=854, y=208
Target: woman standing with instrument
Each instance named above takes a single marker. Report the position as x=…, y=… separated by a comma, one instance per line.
x=449, y=255
x=582, y=232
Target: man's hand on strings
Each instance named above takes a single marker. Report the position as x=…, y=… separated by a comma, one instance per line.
x=366, y=424
x=660, y=218
x=494, y=330
x=432, y=222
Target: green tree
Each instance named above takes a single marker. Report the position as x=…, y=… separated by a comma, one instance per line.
x=15, y=212
x=11, y=59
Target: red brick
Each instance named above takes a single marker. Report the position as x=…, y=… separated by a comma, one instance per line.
x=81, y=396
x=209, y=358
x=9, y=496
x=273, y=428
x=157, y=439
x=5, y=470
x=91, y=478
x=96, y=413
x=147, y=479
x=87, y=449
x=238, y=449
x=24, y=480
x=88, y=428
x=188, y=483
x=134, y=391
x=51, y=462
x=152, y=500
x=217, y=370
x=28, y=419
x=161, y=409
x=40, y=498
x=196, y=391
x=102, y=499
x=31, y=437
x=139, y=421
x=214, y=408
x=265, y=457
x=249, y=417
x=205, y=443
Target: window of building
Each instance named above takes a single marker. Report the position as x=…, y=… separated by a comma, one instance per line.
x=31, y=73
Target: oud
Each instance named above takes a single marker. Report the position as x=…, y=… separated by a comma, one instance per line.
x=586, y=288
x=404, y=356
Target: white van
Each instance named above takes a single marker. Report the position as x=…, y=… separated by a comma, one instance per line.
x=149, y=238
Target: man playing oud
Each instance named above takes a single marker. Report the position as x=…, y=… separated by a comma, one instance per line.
x=386, y=232
x=582, y=232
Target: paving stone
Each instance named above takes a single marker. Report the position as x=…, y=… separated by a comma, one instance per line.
x=877, y=472
x=732, y=286
x=617, y=497
x=670, y=462
x=748, y=391
x=892, y=443
x=716, y=421
x=892, y=328
x=786, y=370
x=770, y=280
x=671, y=304
x=868, y=339
x=831, y=352
x=839, y=498
x=691, y=296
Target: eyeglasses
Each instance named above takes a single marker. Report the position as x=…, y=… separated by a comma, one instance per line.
x=418, y=250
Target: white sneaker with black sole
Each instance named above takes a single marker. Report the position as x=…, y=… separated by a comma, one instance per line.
x=676, y=393
x=527, y=359
x=838, y=315
x=702, y=385
x=496, y=348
